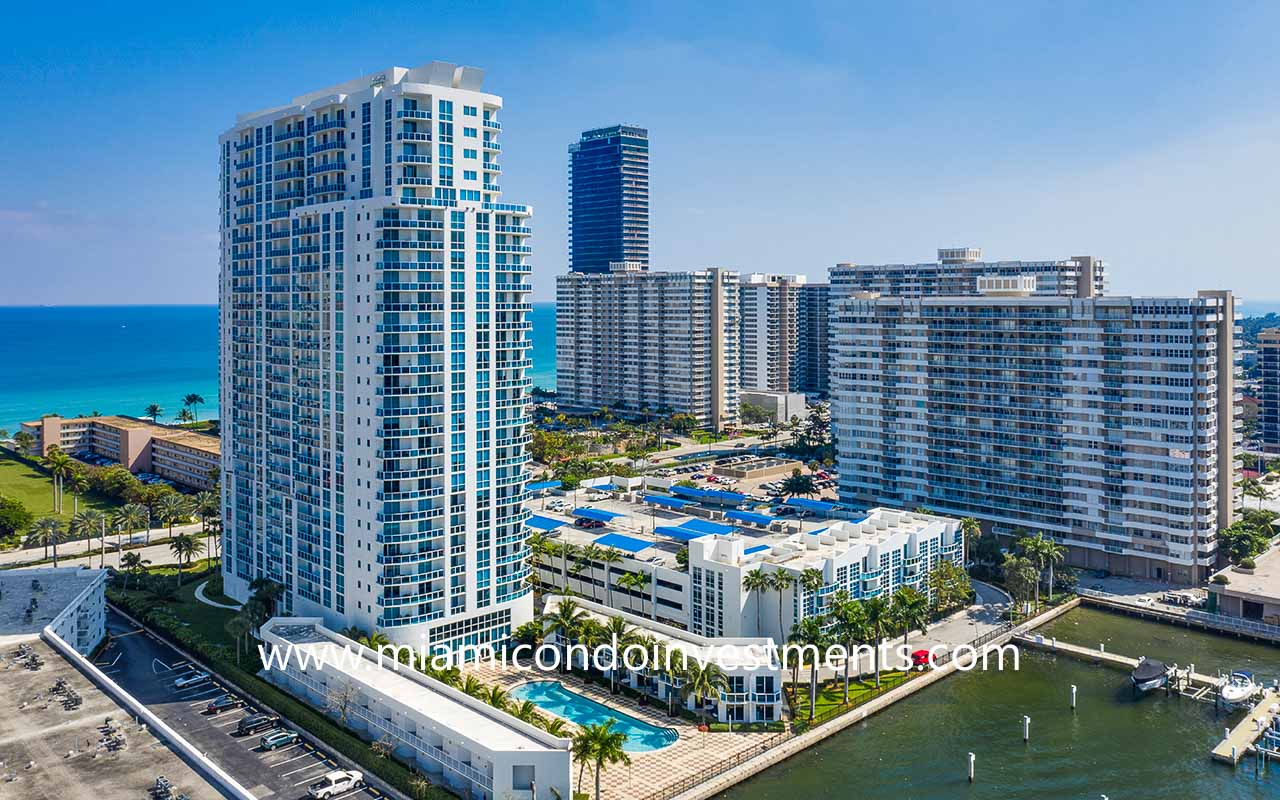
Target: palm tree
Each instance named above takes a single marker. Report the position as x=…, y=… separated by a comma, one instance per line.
x=132, y=564
x=267, y=593
x=24, y=441
x=809, y=633
x=702, y=681
x=620, y=631
x=237, y=626
x=811, y=581
x=497, y=697
x=87, y=524
x=605, y=748
x=878, y=618
x=567, y=551
x=171, y=508
x=184, y=547
x=154, y=411
x=79, y=485
x=206, y=505
x=353, y=633
x=782, y=581
x=849, y=628
x=526, y=711
x=375, y=640
x=798, y=484
x=46, y=532
x=184, y=415
x=608, y=556
x=972, y=530
x=555, y=726
x=130, y=518
x=757, y=582
x=1041, y=551
x=60, y=465
x=587, y=559
x=193, y=401
x=909, y=609
x=564, y=622
x=471, y=685
x=634, y=582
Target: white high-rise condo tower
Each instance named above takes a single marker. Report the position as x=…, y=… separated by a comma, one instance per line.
x=374, y=348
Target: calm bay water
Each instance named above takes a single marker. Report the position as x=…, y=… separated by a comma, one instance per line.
x=119, y=359
x=1152, y=747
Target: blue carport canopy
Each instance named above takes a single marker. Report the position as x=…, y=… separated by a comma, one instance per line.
x=541, y=485
x=669, y=502
x=750, y=516
x=716, y=495
x=703, y=526
x=816, y=506
x=543, y=523
x=680, y=533
x=597, y=514
x=618, y=541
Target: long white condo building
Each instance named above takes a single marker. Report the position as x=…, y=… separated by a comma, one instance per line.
x=1108, y=423
x=374, y=349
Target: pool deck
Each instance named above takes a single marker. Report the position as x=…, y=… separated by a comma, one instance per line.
x=694, y=752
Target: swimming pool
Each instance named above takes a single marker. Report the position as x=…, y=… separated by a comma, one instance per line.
x=552, y=696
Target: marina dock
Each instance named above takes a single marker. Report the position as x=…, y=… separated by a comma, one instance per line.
x=1236, y=743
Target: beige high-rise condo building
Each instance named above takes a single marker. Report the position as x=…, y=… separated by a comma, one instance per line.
x=643, y=342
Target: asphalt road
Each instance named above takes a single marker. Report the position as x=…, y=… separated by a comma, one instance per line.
x=147, y=668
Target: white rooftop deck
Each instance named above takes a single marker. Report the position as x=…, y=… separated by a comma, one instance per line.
x=397, y=684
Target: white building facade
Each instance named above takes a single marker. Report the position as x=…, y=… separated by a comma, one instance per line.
x=642, y=342
x=374, y=348
x=457, y=740
x=1107, y=423
x=770, y=331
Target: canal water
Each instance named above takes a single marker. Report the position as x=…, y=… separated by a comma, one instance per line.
x=1152, y=747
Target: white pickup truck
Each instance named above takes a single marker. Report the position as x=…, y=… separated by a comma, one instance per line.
x=335, y=783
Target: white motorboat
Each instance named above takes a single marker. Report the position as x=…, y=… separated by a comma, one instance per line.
x=1238, y=688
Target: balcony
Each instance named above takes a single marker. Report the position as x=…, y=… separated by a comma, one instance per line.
x=413, y=114
x=413, y=137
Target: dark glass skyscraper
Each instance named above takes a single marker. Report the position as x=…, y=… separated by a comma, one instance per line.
x=609, y=198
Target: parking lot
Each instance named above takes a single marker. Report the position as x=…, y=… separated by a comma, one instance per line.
x=61, y=738
x=173, y=688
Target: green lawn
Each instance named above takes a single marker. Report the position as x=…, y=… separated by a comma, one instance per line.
x=831, y=693
x=203, y=619
x=34, y=489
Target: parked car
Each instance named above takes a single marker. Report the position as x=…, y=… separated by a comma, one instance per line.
x=257, y=722
x=224, y=703
x=583, y=522
x=190, y=680
x=278, y=739
x=335, y=783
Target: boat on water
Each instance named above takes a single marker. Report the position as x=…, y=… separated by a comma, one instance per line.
x=1149, y=674
x=1238, y=688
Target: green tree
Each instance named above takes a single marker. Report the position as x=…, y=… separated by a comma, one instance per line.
x=25, y=442
x=14, y=517
x=620, y=631
x=184, y=415
x=206, y=505
x=130, y=517
x=185, y=547
x=60, y=466
x=565, y=622
x=608, y=556
x=757, y=582
x=193, y=401
x=950, y=586
x=849, y=628
x=171, y=508
x=606, y=749
x=154, y=411
x=810, y=633
x=702, y=681
x=972, y=530
x=132, y=564
x=79, y=483
x=46, y=532
x=753, y=414
x=798, y=483
x=879, y=617
x=782, y=581
x=1021, y=577
x=910, y=610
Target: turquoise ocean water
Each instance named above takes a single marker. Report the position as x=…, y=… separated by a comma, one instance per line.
x=119, y=359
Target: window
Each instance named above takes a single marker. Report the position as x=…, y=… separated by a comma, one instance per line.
x=469, y=132
x=469, y=111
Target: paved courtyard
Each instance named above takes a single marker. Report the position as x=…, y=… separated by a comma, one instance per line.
x=692, y=754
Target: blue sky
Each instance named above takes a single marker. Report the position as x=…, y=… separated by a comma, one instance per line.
x=785, y=136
